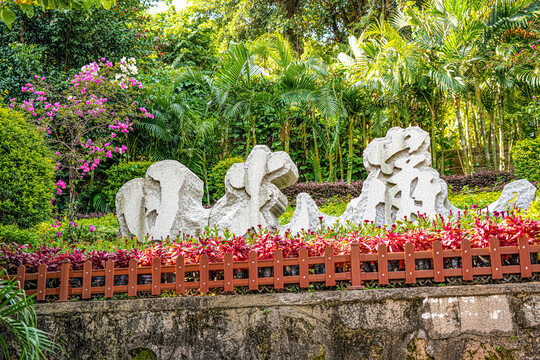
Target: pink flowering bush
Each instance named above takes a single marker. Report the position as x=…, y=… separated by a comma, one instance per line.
x=87, y=121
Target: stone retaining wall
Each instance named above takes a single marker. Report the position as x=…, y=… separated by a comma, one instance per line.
x=462, y=322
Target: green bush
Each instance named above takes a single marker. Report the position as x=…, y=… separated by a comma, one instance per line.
x=526, y=156
x=88, y=231
x=216, y=182
x=26, y=172
x=12, y=234
x=480, y=199
x=119, y=174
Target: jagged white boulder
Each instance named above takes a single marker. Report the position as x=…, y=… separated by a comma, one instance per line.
x=167, y=201
x=401, y=182
x=307, y=216
x=518, y=194
x=252, y=192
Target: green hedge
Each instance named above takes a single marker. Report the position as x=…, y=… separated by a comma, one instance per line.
x=216, y=181
x=119, y=174
x=12, y=234
x=26, y=172
x=526, y=156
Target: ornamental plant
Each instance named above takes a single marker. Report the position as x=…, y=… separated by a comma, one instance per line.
x=474, y=225
x=87, y=121
x=26, y=172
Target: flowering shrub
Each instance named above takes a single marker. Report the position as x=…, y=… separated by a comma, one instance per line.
x=87, y=120
x=471, y=224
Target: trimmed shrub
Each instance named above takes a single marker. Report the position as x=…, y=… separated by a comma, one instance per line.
x=321, y=193
x=324, y=192
x=216, y=180
x=487, y=180
x=526, y=156
x=26, y=172
x=12, y=234
x=119, y=174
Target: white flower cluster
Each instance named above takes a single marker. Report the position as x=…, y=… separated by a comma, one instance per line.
x=129, y=66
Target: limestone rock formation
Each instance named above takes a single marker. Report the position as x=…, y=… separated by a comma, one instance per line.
x=166, y=202
x=307, y=216
x=518, y=194
x=252, y=191
x=401, y=182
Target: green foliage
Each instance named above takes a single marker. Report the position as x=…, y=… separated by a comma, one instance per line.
x=26, y=172
x=12, y=234
x=17, y=316
x=7, y=15
x=56, y=43
x=119, y=174
x=480, y=199
x=217, y=176
x=533, y=212
x=102, y=230
x=333, y=207
x=526, y=155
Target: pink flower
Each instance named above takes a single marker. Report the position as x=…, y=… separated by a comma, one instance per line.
x=92, y=228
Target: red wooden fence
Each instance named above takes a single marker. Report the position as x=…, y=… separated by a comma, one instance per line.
x=355, y=268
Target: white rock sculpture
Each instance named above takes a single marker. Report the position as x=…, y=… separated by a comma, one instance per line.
x=401, y=182
x=307, y=216
x=166, y=202
x=518, y=194
x=252, y=192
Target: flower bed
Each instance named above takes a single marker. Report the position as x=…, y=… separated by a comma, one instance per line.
x=472, y=225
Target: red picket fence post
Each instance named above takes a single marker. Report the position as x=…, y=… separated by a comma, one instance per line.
x=109, y=279
x=466, y=261
x=329, y=266
x=410, y=264
x=438, y=262
x=156, y=276
x=64, y=281
x=180, y=275
x=303, y=267
x=41, y=282
x=87, y=280
x=278, y=269
x=382, y=264
x=356, y=270
x=495, y=258
x=253, y=269
x=21, y=275
x=524, y=257
x=203, y=273
x=228, y=272
x=132, y=278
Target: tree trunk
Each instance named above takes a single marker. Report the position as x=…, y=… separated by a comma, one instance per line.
x=501, y=127
x=470, y=161
x=482, y=123
x=460, y=129
x=493, y=141
x=317, y=158
x=351, y=152
x=433, y=126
